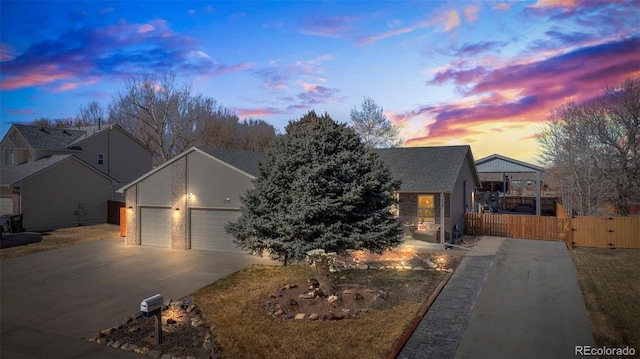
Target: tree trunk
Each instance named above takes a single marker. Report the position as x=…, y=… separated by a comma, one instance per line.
x=323, y=273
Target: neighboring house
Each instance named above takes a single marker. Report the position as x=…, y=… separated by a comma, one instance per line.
x=57, y=191
x=185, y=202
x=503, y=174
x=26, y=150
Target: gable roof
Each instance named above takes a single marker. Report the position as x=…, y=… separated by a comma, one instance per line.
x=247, y=161
x=432, y=169
x=11, y=175
x=499, y=163
x=91, y=131
x=48, y=138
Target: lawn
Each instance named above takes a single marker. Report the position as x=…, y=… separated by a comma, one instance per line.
x=64, y=237
x=610, y=282
x=235, y=307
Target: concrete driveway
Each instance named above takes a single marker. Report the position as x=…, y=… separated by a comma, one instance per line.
x=75, y=292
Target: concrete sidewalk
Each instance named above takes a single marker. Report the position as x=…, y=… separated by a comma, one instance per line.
x=511, y=298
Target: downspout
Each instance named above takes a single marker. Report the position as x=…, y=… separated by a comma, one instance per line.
x=442, y=217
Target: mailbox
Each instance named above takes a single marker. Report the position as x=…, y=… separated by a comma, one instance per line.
x=151, y=306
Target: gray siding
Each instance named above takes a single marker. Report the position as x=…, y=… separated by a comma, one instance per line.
x=124, y=158
x=461, y=197
x=51, y=197
x=155, y=190
x=211, y=182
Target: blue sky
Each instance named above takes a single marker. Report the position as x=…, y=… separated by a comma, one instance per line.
x=483, y=73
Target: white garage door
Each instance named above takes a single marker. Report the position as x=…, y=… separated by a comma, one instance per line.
x=207, y=230
x=155, y=226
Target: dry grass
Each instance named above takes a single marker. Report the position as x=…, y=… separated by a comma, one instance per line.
x=235, y=306
x=63, y=238
x=610, y=282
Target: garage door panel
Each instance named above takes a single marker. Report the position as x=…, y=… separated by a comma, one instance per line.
x=208, y=233
x=155, y=226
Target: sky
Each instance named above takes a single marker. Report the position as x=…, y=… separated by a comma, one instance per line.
x=483, y=73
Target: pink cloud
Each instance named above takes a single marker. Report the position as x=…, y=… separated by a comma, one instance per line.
x=471, y=13
x=255, y=112
x=502, y=6
x=523, y=92
x=554, y=3
x=36, y=76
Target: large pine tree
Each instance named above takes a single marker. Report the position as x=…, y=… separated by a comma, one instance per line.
x=319, y=187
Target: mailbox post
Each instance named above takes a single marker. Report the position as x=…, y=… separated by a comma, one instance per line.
x=152, y=307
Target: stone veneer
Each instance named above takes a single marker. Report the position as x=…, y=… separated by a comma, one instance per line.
x=132, y=217
x=179, y=200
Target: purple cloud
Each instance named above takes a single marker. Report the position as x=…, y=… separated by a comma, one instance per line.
x=85, y=55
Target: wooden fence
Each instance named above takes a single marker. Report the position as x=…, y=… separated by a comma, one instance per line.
x=113, y=211
x=517, y=226
x=583, y=231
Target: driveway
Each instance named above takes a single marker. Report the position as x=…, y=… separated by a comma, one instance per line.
x=75, y=292
x=511, y=298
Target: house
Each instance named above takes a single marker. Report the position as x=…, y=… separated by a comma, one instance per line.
x=438, y=185
x=52, y=175
x=185, y=202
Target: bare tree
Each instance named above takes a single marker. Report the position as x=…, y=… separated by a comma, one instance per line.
x=373, y=126
x=53, y=123
x=92, y=114
x=149, y=107
x=593, y=150
x=169, y=118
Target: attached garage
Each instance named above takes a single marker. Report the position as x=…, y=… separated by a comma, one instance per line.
x=207, y=230
x=186, y=202
x=155, y=226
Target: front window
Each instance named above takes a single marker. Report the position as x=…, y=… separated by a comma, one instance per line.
x=9, y=157
x=426, y=209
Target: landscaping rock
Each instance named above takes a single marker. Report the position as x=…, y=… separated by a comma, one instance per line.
x=154, y=353
x=313, y=316
x=300, y=316
x=309, y=295
x=208, y=345
x=171, y=321
x=418, y=268
x=196, y=322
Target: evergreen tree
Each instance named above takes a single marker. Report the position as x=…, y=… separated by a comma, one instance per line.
x=319, y=187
